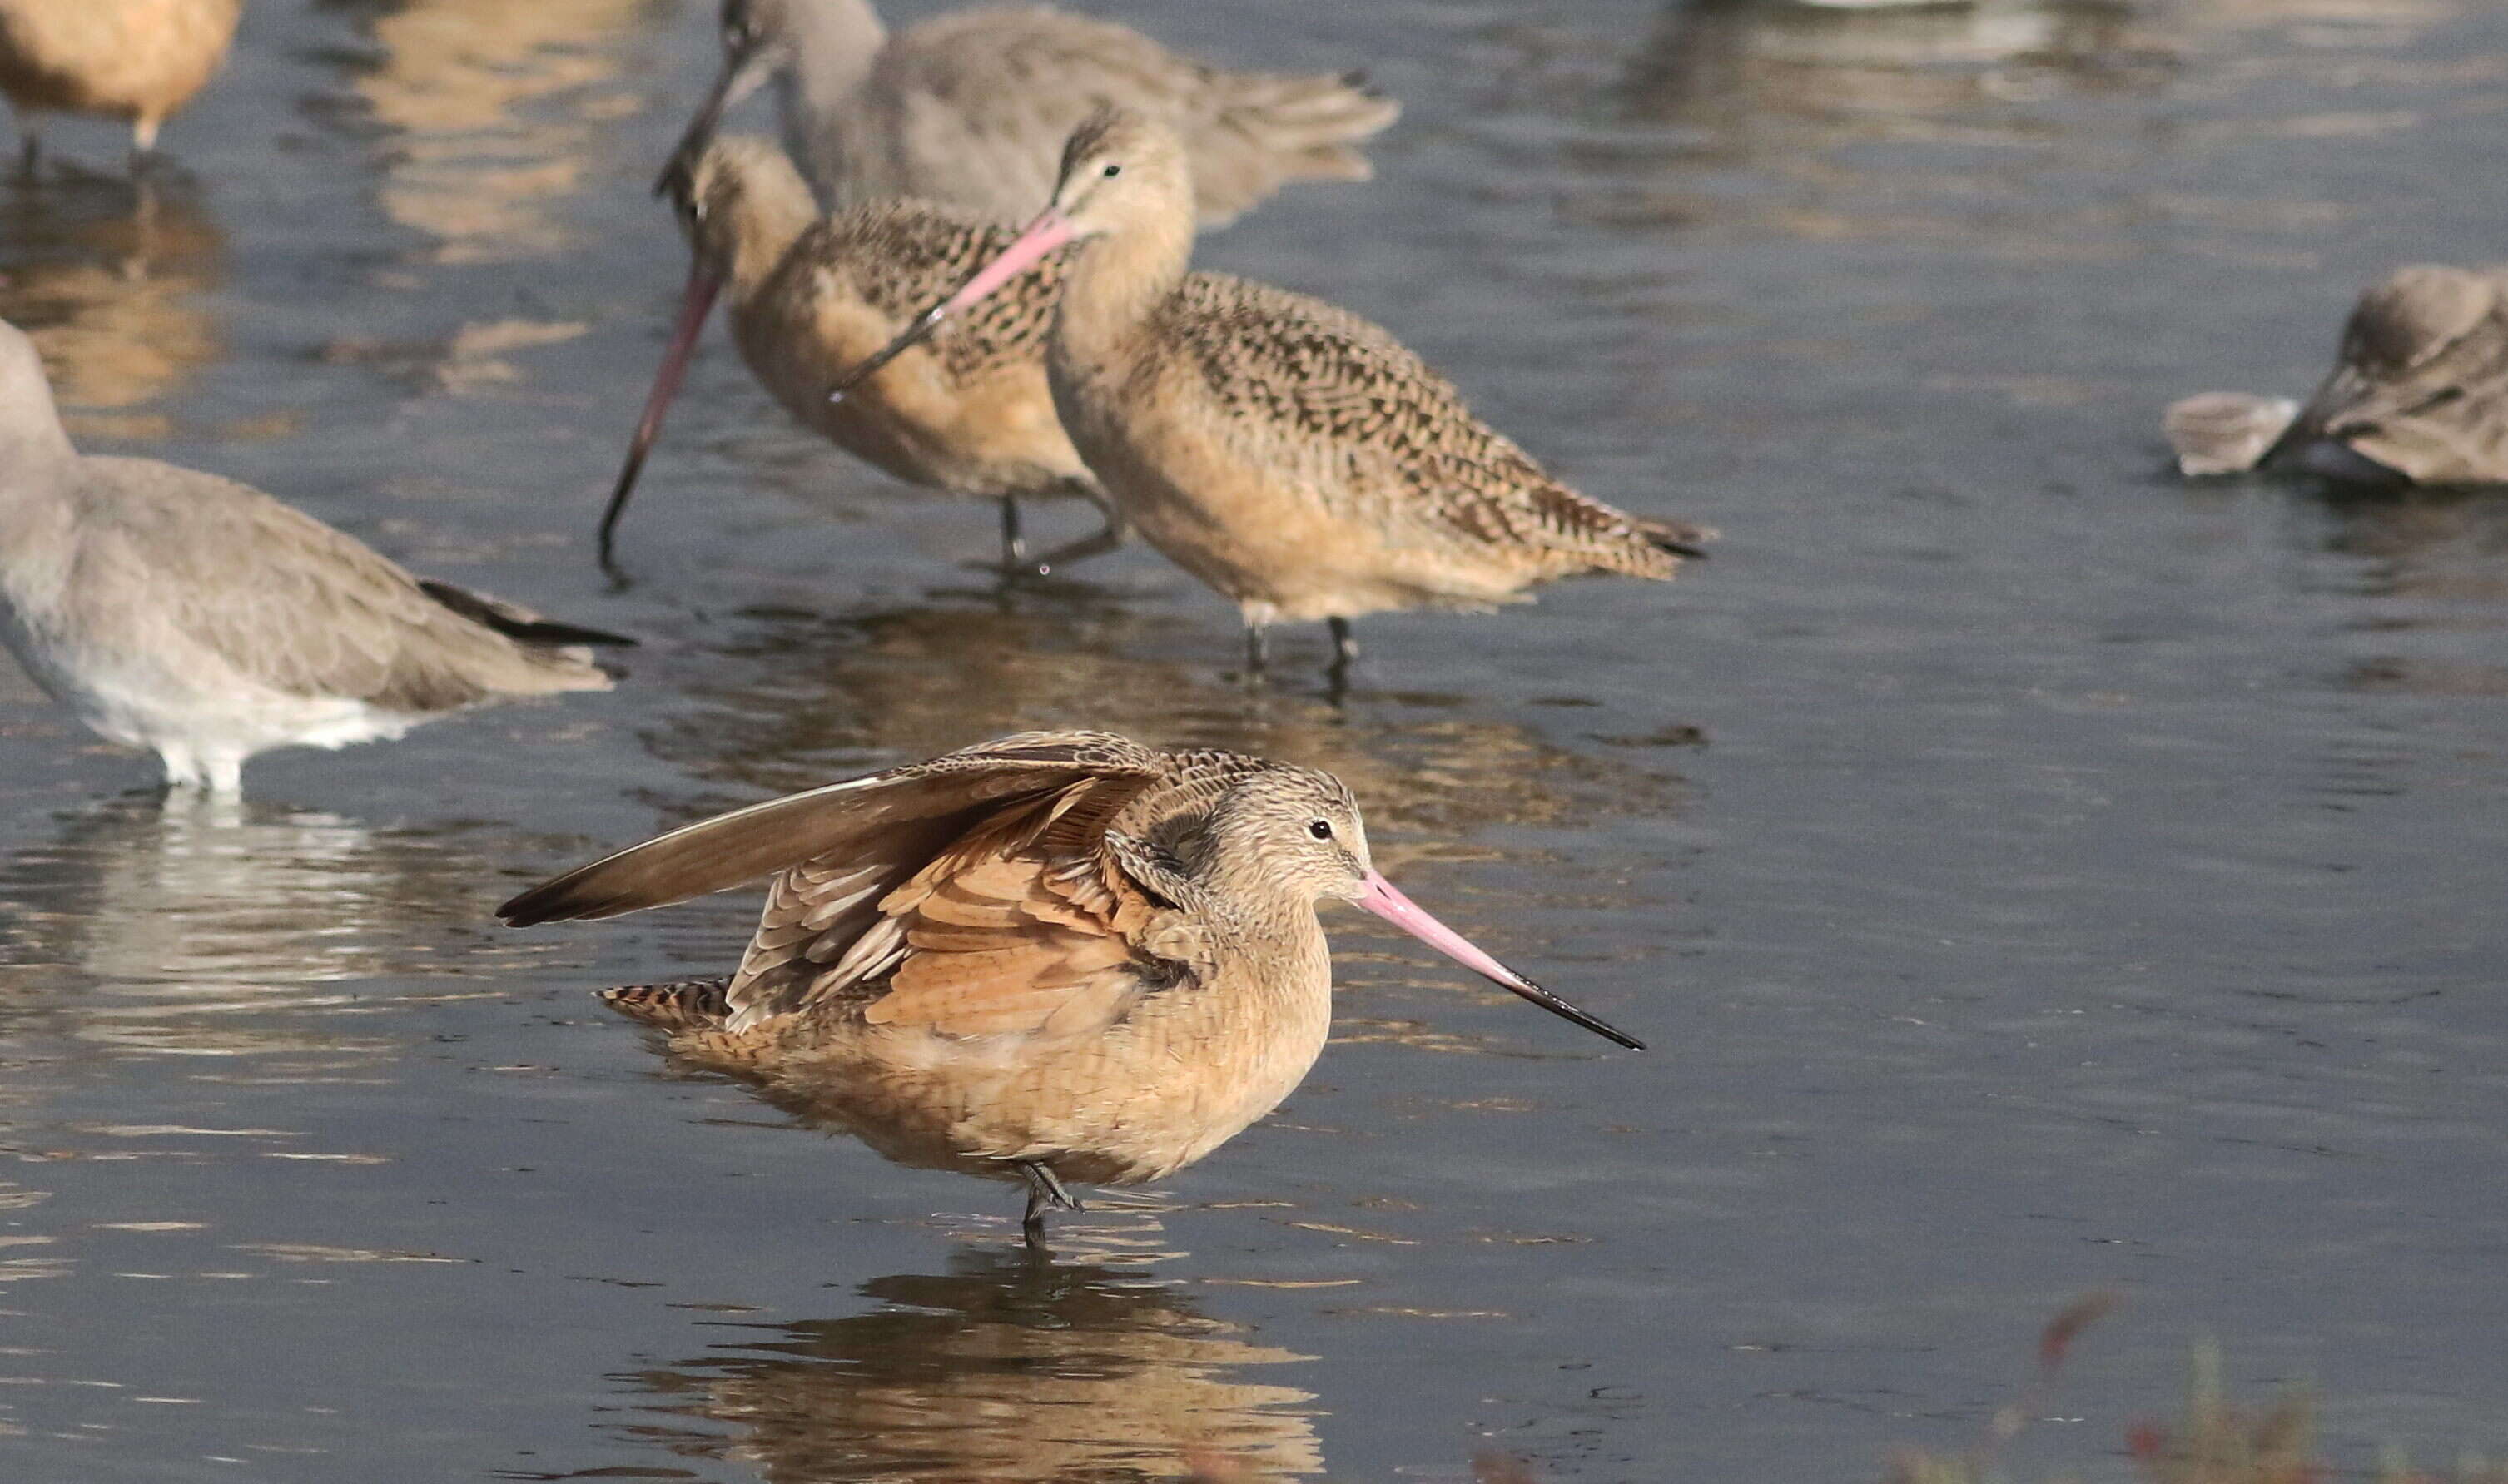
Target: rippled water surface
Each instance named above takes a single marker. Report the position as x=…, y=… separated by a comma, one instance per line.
x=2035, y=873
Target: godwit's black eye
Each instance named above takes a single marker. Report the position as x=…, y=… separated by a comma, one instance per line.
x=1113, y=170
x=1321, y=828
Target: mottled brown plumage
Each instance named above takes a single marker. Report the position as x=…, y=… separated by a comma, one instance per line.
x=1291, y=454
x=1059, y=956
x=138, y=61
x=970, y=108
x=811, y=296
x=2418, y=391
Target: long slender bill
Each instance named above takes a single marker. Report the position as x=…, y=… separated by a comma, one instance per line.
x=741, y=72
x=1050, y=230
x=1384, y=901
x=703, y=283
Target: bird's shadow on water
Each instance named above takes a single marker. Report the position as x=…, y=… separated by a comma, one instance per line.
x=1004, y=1366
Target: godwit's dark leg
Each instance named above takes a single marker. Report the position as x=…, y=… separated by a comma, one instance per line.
x=1013, y=543
x=1255, y=651
x=1345, y=654
x=1044, y=1192
x=1104, y=541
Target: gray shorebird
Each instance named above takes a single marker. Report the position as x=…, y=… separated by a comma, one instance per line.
x=2419, y=393
x=134, y=60
x=202, y=620
x=810, y=297
x=1291, y=454
x=1054, y=958
x=968, y=109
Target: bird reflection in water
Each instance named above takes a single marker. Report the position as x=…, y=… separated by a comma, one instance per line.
x=2431, y=571
x=1005, y=1367
x=497, y=110
x=1852, y=71
x=787, y=701
x=112, y=282
x=219, y=930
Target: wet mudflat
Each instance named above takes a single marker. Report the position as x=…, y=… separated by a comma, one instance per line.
x=2035, y=872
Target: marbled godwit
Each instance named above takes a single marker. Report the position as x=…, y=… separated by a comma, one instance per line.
x=135, y=59
x=2419, y=393
x=199, y=618
x=969, y=109
x=811, y=297
x=1290, y=454
x=1059, y=956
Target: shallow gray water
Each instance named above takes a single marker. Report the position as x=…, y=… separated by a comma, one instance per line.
x=2085, y=881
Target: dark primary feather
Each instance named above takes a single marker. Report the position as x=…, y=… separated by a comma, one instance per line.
x=886, y=815
x=515, y=621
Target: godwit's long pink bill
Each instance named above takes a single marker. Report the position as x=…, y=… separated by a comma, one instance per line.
x=1409, y=916
x=694, y=303
x=1050, y=230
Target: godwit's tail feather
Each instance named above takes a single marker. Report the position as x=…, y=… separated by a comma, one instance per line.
x=1268, y=130
x=1676, y=536
x=688, y=1004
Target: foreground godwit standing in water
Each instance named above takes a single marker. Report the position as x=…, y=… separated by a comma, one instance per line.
x=200, y=619
x=134, y=59
x=1056, y=957
x=969, y=109
x=1290, y=454
x=2419, y=393
x=810, y=298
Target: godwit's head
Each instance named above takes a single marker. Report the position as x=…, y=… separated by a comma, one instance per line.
x=740, y=204
x=2426, y=349
x=818, y=51
x=2417, y=314
x=1120, y=168
x=1122, y=171
x=1284, y=834
x=1292, y=837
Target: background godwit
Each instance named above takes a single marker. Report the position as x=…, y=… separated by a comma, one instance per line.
x=810, y=298
x=969, y=109
x=1056, y=957
x=2418, y=391
x=1293, y=456
x=199, y=618
x=134, y=59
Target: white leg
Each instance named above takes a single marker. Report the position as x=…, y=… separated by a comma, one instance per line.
x=182, y=768
x=223, y=771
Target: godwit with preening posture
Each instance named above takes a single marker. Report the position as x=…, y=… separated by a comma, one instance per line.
x=1290, y=454
x=199, y=618
x=969, y=109
x=2419, y=393
x=811, y=297
x=134, y=59
x=1056, y=957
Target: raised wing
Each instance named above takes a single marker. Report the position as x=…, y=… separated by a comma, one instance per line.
x=846, y=843
x=1024, y=924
